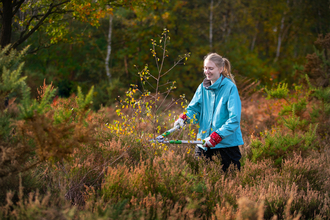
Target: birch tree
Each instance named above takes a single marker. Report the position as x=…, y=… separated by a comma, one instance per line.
x=211, y=25
x=107, y=69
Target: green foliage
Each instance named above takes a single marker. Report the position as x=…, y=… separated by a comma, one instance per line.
x=310, y=138
x=11, y=80
x=298, y=107
x=52, y=19
x=314, y=114
x=10, y=71
x=29, y=107
x=82, y=101
x=292, y=122
x=246, y=62
x=325, y=61
x=322, y=94
x=281, y=92
x=275, y=146
x=249, y=44
x=279, y=145
x=11, y=58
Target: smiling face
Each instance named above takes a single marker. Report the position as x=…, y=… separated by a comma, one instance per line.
x=211, y=71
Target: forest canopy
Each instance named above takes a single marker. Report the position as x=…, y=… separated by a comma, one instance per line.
x=105, y=43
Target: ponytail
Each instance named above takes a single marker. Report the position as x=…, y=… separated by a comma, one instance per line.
x=227, y=70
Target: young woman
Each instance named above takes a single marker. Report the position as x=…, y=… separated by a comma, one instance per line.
x=216, y=106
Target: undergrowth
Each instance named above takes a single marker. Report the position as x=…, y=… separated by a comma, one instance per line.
x=62, y=161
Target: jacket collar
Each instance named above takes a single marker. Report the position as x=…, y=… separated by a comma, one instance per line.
x=217, y=84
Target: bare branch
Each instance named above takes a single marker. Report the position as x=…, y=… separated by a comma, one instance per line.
x=164, y=54
x=39, y=48
x=152, y=76
x=168, y=92
x=165, y=84
x=153, y=47
x=175, y=64
x=28, y=25
x=17, y=5
x=150, y=84
x=249, y=86
x=40, y=22
x=171, y=104
x=61, y=3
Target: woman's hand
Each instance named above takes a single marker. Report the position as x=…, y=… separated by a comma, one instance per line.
x=212, y=140
x=181, y=121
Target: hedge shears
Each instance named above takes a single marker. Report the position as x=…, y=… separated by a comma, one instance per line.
x=161, y=138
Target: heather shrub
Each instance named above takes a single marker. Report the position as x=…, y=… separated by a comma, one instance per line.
x=304, y=172
x=253, y=173
x=309, y=178
x=102, y=165
x=166, y=175
x=35, y=205
x=166, y=187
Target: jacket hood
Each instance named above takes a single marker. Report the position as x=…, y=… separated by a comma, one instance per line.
x=207, y=83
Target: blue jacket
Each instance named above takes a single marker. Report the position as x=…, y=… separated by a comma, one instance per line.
x=217, y=107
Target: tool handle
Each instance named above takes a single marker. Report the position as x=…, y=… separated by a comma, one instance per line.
x=167, y=133
x=182, y=142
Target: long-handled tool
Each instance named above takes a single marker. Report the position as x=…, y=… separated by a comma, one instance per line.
x=181, y=142
x=161, y=138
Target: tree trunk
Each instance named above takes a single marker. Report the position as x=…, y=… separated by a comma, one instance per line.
x=229, y=19
x=253, y=41
x=279, y=39
x=7, y=16
x=254, y=37
x=107, y=69
x=211, y=25
x=126, y=64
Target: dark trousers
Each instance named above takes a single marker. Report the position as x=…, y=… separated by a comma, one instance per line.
x=228, y=155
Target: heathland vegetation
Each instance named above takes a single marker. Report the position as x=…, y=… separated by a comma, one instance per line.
x=75, y=133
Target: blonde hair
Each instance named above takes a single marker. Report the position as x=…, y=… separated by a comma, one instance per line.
x=221, y=62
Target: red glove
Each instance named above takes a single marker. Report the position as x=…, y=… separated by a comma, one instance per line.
x=181, y=121
x=212, y=140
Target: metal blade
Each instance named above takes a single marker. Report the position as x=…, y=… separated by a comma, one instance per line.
x=161, y=137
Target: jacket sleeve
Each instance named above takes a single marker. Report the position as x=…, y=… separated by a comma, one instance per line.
x=194, y=107
x=234, y=112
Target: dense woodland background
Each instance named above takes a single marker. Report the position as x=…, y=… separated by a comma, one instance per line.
x=263, y=40
x=86, y=84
